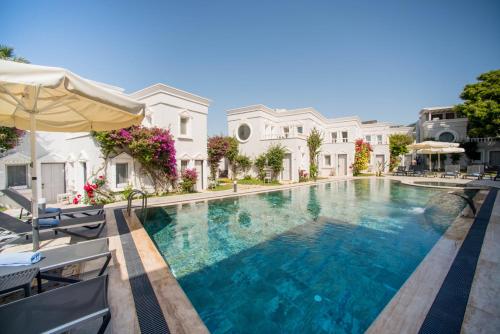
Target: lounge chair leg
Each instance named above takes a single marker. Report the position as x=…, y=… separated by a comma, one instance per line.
x=105, y=322
x=39, y=282
x=105, y=265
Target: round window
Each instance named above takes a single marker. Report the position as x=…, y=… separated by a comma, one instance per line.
x=244, y=132
x=447, y=137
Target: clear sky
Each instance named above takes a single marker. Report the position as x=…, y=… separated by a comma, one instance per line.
x=380, y=59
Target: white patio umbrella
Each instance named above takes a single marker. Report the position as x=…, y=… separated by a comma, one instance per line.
x=431, y=147
x=40, y=98
x=439, y=151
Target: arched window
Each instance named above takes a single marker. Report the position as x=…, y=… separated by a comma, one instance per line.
x=447, y=137
x=244, y=132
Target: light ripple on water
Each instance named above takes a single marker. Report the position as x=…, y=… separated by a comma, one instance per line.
x=256, y=263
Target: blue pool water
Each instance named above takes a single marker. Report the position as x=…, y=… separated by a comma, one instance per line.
x=319, y=259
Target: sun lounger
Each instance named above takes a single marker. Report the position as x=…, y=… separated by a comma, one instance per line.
x=66, y=226
x=25, y=204
x=474, y=171
x=58, y=310
x=451, y=170
x=61, y=257
x=401, y=170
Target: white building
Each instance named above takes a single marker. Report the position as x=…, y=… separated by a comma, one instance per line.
x=443, y=124
x=257, y=127
x=67, y=160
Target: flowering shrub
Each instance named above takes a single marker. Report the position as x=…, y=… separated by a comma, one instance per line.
x=361, y=156
x=10, y=137
x=189, y=177
x=94, y=194
x=153, y=147
x=303, y=176
x=77, y=199
x=217, y=148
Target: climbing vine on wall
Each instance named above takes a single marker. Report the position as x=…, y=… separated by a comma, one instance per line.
x=152, y=147
x=361, y=156
x=10, y=137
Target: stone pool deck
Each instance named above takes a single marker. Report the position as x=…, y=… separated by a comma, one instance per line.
x=144, y=295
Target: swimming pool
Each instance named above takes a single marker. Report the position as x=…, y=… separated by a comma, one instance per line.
x=324, y=258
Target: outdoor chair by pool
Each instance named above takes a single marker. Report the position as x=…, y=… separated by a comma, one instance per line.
x=451, y=170
x=49, y=223
x=474, y=171
x=58, y=310
x=401, y=170
x=60, y=257
x=25, y=204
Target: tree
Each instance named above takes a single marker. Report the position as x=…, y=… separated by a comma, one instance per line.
x=275, y=155
x=314, y=141
x=470, y=150
x=260, y=164
x=361, y=156
x=217, y=147
x=244, y=163
x=7, y=53
x=232, y=155
x=482, y=105
x=398, y=145
x=10, y=137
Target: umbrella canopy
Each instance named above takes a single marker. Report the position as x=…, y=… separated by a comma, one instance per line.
x=439, y=151
x=431, y=145
x=61, y=101
x=54, y=99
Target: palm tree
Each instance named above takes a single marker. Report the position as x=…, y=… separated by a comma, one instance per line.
x=7, y=53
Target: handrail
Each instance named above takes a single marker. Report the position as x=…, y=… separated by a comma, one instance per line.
x=131, y=197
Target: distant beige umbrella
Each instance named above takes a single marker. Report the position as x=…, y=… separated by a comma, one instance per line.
x=439, y=151
x=40, y=98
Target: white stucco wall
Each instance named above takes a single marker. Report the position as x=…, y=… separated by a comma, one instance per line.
x=165, y=105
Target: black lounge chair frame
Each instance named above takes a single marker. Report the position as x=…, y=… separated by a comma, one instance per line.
x=25, y=205
x=65, y=226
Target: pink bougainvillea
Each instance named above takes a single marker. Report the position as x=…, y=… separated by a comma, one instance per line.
x=153, y=147
x=189, y=177
x=362, y=151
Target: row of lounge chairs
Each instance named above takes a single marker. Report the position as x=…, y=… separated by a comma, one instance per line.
x=474, y=171
x=61, y=309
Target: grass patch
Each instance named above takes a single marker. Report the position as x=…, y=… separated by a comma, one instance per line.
x=366, y=174
x=222, y=187
x=258, y=182
x=2, y=208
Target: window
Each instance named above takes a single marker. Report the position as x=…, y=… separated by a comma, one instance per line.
x=368, y=138
x=244, y=132
x=121, y=174
x=328, y=160
x=17, y=176
x=300, y=129
x=286, y=131
x=379, y=139
x=184, y=126
x=84, y=169
x=437, y=116
x=334, y=137
x=184, y=165
x=447, y=137
x=344, y=136
x=450, y=115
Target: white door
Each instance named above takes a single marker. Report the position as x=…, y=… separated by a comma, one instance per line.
x=53, y=181
x=198, y=165
x=342, y=164
x=287, y=167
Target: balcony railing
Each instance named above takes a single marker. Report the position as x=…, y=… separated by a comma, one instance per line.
x=483, y=140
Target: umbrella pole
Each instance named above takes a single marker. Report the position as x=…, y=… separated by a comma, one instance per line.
x=430, y=163
x=34, y=184
x=439, y=162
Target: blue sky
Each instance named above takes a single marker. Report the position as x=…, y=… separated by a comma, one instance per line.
x=376, y=59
